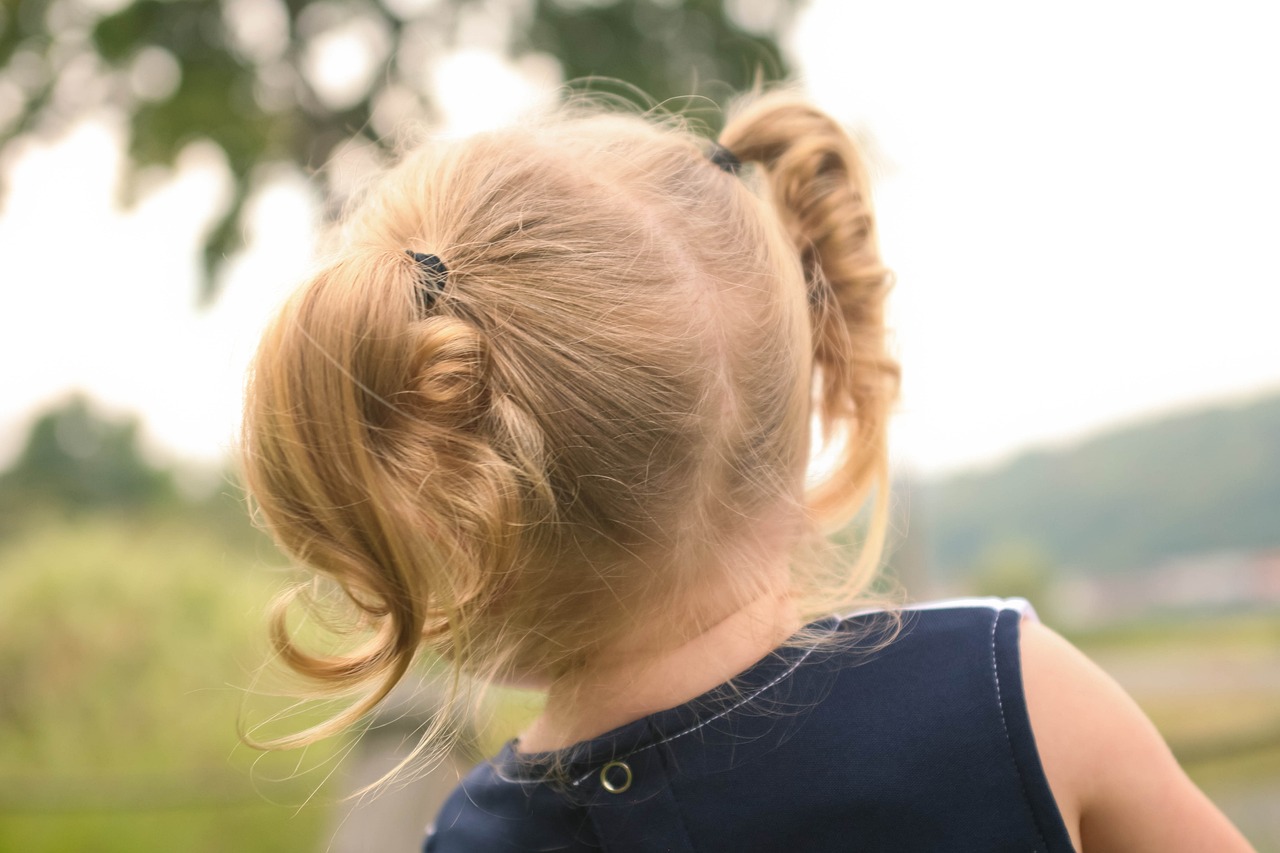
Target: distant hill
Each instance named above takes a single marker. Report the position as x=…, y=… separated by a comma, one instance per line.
x=1202, y=481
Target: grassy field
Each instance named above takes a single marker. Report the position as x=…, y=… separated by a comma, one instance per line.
x=127, y=648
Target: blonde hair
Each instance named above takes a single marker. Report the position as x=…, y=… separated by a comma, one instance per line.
x=618, y=376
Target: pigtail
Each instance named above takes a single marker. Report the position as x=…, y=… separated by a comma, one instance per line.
x=817, y=182
x=378, y=455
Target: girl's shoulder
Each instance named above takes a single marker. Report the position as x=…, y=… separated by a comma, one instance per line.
x=934, y=645
x=1116, y=782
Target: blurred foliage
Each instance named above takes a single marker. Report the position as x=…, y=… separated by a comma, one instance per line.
x=1125, y=500
x=251, y=76
x=76, y=459
x=79, y=462
x=128, y=647
x=100, y=613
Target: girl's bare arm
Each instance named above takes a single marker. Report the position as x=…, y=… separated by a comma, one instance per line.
x=1117, y=784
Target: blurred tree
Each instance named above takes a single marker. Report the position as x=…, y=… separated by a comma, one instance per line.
x=295, y=80
x=76, y=459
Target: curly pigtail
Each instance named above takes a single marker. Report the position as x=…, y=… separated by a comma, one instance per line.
x=817, y=181
x=378, y=455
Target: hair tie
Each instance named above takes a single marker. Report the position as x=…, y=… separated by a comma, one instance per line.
x=431, y=283
x=724, y=158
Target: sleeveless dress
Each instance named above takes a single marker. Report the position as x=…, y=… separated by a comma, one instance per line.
x=920, y=744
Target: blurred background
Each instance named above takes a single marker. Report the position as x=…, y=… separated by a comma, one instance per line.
x=1079, y=202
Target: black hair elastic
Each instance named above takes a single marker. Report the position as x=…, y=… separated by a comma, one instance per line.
x=724, y=158
x=431, y=282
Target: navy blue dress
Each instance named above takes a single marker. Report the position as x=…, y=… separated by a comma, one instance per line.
x=923, y=744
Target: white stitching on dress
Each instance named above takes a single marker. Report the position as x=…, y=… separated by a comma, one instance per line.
x=708, y=720
x=1004, y=726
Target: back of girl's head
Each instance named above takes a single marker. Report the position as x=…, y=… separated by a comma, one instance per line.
x=597, y=412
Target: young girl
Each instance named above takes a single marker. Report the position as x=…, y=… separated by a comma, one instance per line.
x=545, y=413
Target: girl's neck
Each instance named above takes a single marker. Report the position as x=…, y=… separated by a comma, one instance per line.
x=627, y=686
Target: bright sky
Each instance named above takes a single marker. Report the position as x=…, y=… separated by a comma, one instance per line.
x=1081, y=203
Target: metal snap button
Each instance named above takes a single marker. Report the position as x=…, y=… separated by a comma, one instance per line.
x=616, y=782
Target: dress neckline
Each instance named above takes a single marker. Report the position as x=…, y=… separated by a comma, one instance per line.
x=580, y=761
